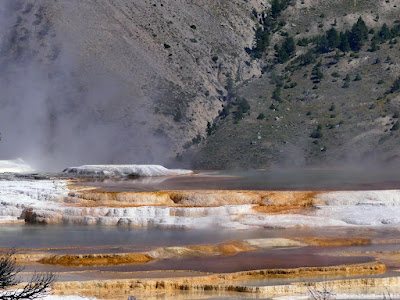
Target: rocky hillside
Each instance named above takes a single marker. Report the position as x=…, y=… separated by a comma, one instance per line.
x=321, y=104
x=213, y=84
x=117, y=80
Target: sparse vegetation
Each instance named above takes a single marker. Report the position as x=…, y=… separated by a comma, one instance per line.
x=396, y=85
x=178, y=116
x=321, y=77
x=276, y=95
x=38, y=287
x=317, y=133
x=358, y=77
x=261, y=116
x=286, y=50
x=395, y=126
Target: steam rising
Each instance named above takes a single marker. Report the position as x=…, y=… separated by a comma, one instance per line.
x=55, y=111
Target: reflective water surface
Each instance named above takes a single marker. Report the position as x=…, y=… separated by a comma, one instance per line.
x=317, y=179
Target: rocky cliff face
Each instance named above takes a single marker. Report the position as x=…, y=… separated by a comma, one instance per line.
x=140, y=77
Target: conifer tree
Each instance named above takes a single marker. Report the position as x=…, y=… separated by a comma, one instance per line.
x=344, y=41
x=385, y=33
x=358, y=34
x=275, y=8
x=333, y=38
x=287, y=49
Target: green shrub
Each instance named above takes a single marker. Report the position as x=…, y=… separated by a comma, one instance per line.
x=358, y=77
x=211, y=128
x=276, y=95
x=196, y=140
x=286, y=50
x=396, y=85
x=395, y=126
x=238, y=115
x=316, y=134
x=261, y=116
x=244, y=105
x=178, y=116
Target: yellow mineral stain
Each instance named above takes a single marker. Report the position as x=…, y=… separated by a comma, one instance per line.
x=220, y=283
x=335, y=242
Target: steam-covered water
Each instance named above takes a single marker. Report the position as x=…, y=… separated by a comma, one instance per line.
x=312, y=179
x=139, y=239
x=101, y=239
x=56, y=236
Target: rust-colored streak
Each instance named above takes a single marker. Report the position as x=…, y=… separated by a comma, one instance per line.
x=335, y=242
x=96, y=259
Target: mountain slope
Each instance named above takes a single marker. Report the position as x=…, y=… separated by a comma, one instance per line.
x=131, y=81
x=350, y=103
x=118, y=81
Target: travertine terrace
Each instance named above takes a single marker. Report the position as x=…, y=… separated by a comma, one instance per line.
x=280, y=235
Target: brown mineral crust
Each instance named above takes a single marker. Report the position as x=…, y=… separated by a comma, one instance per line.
x=335, y=242
x=279, y=209
x=227, y=249
x=196, y=198
x=72, y=260
x=216, y=282
x=96, y=259
x=101, y=198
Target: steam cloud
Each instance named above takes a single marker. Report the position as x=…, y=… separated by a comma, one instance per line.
x=54, y=111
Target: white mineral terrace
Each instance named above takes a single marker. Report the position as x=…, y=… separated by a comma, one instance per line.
x=47, y=201
x=15, y=166
x=125, y=170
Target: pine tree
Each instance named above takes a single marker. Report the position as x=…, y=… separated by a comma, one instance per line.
x=333, y=38
x=323, y=45
x=276, y=95
x=244, y=105
x=363, y=28
x=262, y=42
x=374, y=47
x=385, y=33
x=358, y=34
x=289, y=45
x=276, y=8
x=344, y=42
x=287, y=49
